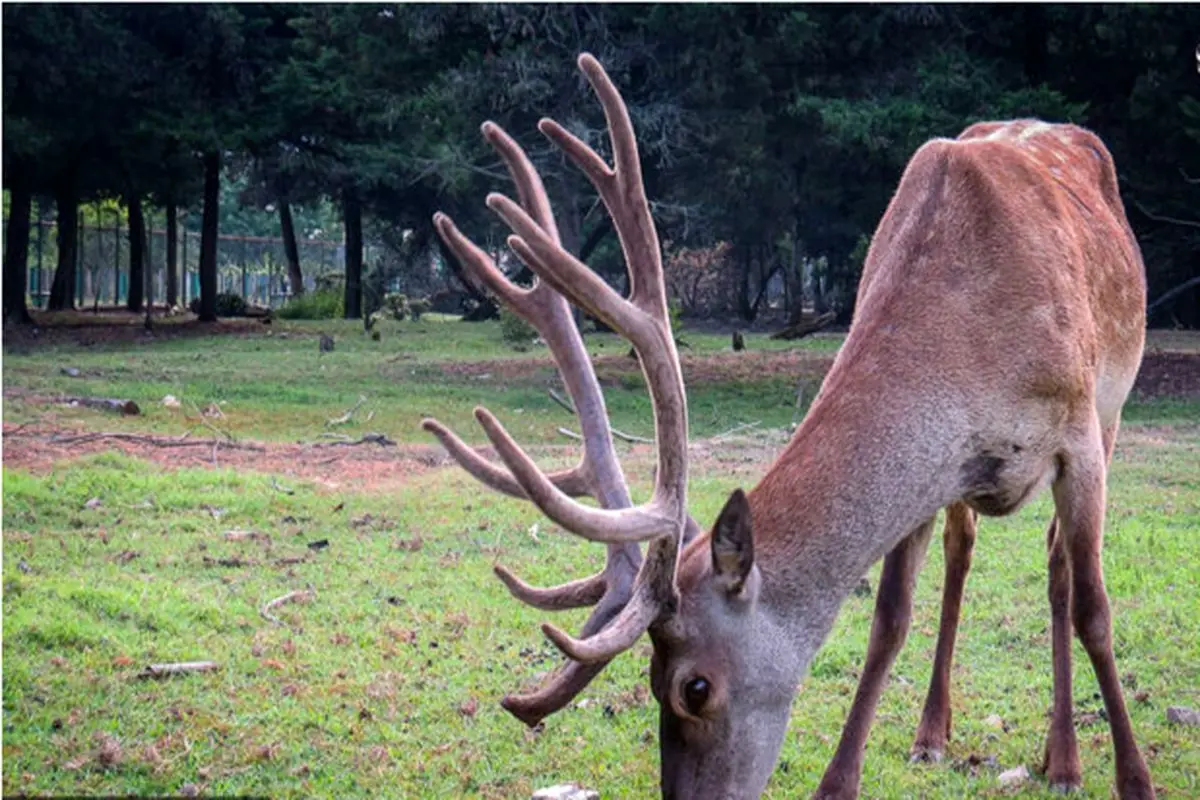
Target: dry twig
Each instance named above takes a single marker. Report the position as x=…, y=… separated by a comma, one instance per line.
x=344, y=418
x=179, y=668
x=297, y=596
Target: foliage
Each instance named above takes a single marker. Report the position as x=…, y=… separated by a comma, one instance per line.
x=319, y=304
x=698, y=278
x=514, y=330
x=396, y=304
x=228, y=305
x=781, y=130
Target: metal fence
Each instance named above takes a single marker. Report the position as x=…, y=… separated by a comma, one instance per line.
x=254, y=267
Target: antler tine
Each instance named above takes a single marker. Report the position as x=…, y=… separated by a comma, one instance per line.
x=571, y=481
x=622, y=612
x=620, y=187
x=576, y=594
x=653, y=594
x=644, y=321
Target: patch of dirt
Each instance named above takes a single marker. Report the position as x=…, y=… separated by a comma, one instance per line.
x=364, y=467
x=85, y=329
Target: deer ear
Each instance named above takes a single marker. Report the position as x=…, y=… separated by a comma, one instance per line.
x=733, y=544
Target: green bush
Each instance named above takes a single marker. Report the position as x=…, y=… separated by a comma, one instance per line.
x=514, y=330
x=321, y=304
x=228, y=305
x=396, y=305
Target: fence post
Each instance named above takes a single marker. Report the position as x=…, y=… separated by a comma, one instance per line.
x=187, y=284
x=116, y=257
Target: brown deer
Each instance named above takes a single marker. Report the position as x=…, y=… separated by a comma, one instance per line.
x=998, y=330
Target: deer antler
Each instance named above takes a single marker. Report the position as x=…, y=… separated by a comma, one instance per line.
x=625, y=606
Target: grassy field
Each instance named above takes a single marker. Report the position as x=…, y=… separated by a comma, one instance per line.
x=385, y=681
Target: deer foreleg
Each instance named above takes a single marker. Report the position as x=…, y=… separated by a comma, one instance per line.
x=893, y=612
x=958, y=543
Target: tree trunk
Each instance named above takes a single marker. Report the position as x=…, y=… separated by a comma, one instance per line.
x=16, y=254
x=593, y=240
x=137, y=255
x=172, y=255
x=208, y=237
x=62, y=291
x=290, y=250
x=744, y=264
x=352, y=211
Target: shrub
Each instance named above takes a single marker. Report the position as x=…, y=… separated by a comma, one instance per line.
x=397, y=305
x=228, y=305
x=418, y=307
x=514, y=330
x=321, y=304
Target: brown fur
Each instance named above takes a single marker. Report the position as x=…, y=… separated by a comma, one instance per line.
x=998, y=329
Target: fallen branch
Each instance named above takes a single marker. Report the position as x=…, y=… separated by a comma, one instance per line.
x=736, y=429
x=367, y=438
x=277, y=486
x=126, y=407
x=155, y=441
x=806, y=327
x=562, y=401
x=234, y=562
x=344, y=418
x=297, y=596
x=628, y=437
x=288, y=561
x=179, y=668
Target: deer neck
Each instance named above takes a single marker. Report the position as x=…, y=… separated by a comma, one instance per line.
x=864, y=470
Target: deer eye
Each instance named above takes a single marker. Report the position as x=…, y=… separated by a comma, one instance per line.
x=695, y=695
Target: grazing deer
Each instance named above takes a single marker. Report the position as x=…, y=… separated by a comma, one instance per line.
x=998, y=330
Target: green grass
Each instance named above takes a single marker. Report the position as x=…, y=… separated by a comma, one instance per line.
x=372, y=688
x=276, y=385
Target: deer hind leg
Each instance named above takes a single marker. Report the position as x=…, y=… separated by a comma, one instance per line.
x=1079, y=498
x=1061, y=764
x=893, y=611
x=958, y=541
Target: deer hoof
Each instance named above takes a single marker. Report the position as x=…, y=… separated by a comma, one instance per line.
x=926, y=755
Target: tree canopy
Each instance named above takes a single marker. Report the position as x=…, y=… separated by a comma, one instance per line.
x=774, y=133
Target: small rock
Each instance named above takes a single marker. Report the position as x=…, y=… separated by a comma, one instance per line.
x=93, y=504
x=995, y=721
x=189, y=790
x=170, y=401
x=1013, y=777
x=70, y=372
x=1181, y=715
x=565, y=791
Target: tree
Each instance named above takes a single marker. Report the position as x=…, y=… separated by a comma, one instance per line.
x=16, y=253
x=137, y=255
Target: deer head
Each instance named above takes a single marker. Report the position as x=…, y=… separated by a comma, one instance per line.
x=723, y=672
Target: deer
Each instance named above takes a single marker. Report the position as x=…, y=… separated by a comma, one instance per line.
x=997, y=331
